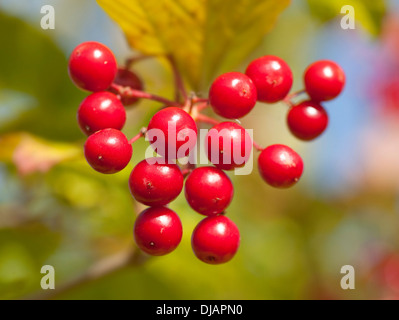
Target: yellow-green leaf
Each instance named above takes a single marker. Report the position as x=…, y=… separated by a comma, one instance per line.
x=32, y=154
x=203, y=36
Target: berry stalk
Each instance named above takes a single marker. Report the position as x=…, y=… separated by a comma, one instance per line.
x=288, y=99
x=138, y=136
x=186, y=172
x=202, y=104
x=203, y=118
x=129, y=92
x=257, y=146
x=201, y=100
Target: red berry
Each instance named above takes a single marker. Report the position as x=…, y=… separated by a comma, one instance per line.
x=158, y=231
x=307, y=120
x=272, y=78
x=127, y=78
x=324, y=80
x=232, y=95
x=92, y=66
x=108, y=151
x=208, y=190
x=155, y=184
x=101, y=110
x=280, y=166
x=172, y=133
x=388, y=271
x=215, y=240
x=228, y=145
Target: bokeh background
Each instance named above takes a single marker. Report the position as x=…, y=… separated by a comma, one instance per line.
x=55, y=210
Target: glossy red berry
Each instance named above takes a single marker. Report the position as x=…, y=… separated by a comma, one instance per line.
x=280, y=166
x=228, y=145
x=307, y=120
x=101, y=110
x=127, y=78
x=158, y=231
x=324, y=80
x=155, y=184
x=208, y=190
x=92, y=66
x=232, y=95
x=172, y=133
x=108, y=151
x=272, y=78
x=215, y=240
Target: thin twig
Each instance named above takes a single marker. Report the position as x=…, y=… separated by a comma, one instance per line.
x=129, y=92
x=130, y=61
x=107, y=266
x=179, y=83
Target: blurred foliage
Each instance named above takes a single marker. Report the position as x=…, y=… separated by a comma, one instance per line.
x=31, y=154
x=204, y=37
x=369, y=13
x=54, y=209
x=29, y=59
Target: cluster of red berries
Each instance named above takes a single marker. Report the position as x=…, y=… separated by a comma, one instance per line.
x=269, y=79
x=157, y=181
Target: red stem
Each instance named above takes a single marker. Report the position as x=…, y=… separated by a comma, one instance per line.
x=289, y=97
x=138, y=136
x=206, y=119
x=203, y=105
x=186, y=172
x=198, y=100
x=129, y=92
x=257, y=146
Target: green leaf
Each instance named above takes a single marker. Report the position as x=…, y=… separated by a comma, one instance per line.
x=368, y=13
x=203, y=36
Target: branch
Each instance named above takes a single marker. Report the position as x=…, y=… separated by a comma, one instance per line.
x=107, y=266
